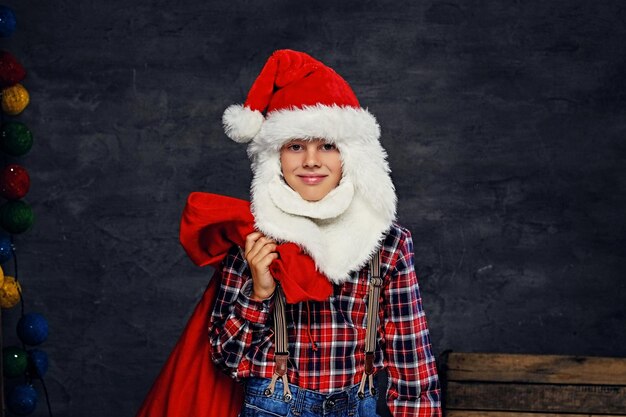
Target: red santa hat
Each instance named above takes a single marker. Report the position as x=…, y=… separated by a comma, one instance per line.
x=298, y=97
x=289, y=81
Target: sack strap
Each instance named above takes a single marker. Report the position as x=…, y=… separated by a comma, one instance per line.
x=376, y=283
x=281, y=349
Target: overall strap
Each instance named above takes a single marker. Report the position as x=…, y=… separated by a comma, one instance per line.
x=376, y=282
x=281, y=349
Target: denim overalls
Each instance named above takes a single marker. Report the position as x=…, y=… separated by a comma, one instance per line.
x=305, y=403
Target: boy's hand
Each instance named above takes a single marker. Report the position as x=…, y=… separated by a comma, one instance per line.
x=260, y=251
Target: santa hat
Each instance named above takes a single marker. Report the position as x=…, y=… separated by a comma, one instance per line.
x=297, y=97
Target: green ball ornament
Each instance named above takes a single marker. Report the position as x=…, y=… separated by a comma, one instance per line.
x=16, y=216
x=15, y=361
x=15, y=138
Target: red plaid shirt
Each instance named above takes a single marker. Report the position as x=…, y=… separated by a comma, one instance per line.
x=327, y=339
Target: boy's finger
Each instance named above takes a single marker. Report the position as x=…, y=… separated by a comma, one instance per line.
x=258, y=257
x=261, y=247
x=264, y=263
x=251, y=240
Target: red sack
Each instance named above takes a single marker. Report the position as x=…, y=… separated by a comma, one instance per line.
x=189, y=384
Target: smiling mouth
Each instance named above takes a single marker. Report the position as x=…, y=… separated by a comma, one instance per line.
x=312, y=179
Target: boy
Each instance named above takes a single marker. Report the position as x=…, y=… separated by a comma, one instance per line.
x=321, y=181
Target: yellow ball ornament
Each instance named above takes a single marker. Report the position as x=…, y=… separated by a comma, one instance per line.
x=14, y=99
x=1, y=277
x=9, y=292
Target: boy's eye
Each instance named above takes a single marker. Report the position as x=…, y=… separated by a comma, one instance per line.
x=329, y=147
x=295, y=147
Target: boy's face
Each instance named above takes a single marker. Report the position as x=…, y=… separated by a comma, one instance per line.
x=312, y=168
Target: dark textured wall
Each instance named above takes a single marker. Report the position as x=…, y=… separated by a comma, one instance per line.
x=504, y=122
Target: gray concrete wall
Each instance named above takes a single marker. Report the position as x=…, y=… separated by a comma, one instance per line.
x=504, y=122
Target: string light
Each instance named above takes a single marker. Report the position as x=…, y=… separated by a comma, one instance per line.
x=16, y=217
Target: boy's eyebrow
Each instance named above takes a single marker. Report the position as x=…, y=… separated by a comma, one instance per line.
x=307, y=140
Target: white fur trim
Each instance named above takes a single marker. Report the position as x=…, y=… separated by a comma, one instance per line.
x=334, y=123
x=338, y=246
x=242, y=124
x=344, y=243
x=332, y=205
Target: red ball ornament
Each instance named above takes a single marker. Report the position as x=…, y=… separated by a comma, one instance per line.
x=11, y=71
x=14, y=182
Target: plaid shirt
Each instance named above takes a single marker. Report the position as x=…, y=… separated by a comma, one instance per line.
x=327, y=339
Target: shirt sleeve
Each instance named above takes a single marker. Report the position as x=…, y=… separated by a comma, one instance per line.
x=238, y=322
x=413, y=382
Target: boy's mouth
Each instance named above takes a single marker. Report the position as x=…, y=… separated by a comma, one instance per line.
x=312, y=179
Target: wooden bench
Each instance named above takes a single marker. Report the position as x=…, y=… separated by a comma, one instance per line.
x=513, y=385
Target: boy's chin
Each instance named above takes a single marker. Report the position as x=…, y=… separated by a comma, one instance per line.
x=313, y=196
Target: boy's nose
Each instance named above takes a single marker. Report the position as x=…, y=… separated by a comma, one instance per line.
x=311, y=158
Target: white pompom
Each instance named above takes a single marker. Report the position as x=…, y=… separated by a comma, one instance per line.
x=242, y=124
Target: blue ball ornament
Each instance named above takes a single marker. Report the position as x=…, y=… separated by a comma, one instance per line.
x=5, y=248
x=7, y=22
x=22, y=400
x=32, y=329
x=37, y=363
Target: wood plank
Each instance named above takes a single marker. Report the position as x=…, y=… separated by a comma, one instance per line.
x=466, y=413
x=535, y=368
x=581, y=399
